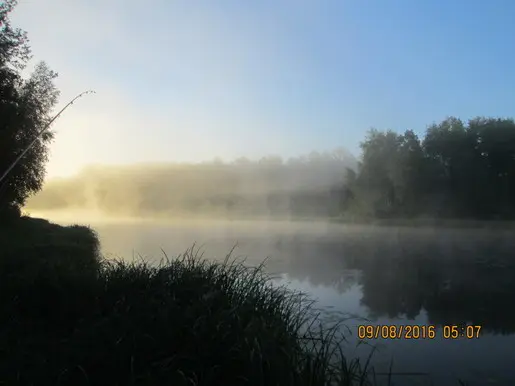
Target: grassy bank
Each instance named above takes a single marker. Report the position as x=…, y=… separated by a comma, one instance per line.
x=69, y=318
x=31, y=248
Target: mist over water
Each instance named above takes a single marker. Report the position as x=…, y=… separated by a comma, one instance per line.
x=270, y=187
x=388, y=275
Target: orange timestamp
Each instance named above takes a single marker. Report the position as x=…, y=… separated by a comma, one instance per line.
x=417, y=331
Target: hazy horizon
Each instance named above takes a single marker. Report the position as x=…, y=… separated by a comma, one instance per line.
x=270, y=187
x=197, y=80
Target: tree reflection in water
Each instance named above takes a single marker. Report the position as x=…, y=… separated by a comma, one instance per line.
x=457, y=277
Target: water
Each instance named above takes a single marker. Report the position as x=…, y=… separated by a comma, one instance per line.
x=390, y=276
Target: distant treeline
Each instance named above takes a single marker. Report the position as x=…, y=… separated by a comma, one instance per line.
x=458, y=170
x=309, y=186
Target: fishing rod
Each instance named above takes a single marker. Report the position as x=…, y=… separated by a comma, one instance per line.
x=38, y=135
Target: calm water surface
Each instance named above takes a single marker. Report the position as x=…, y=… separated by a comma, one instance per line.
x=387, y=275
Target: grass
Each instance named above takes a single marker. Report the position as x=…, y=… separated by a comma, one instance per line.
x=68, y=317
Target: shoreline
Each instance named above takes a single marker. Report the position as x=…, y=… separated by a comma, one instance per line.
x=98, y=217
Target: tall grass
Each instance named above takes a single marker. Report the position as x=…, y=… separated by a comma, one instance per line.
x=186, y=322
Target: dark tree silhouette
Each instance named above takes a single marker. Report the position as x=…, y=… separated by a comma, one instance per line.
x=25, y=105
x=458, y=170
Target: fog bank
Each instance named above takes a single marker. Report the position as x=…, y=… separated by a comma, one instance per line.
x=304, y=186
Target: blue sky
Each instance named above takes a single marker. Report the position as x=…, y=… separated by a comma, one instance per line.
x=190, y=80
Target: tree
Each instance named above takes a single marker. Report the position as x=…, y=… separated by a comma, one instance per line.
x=458, y=170
x=494, y=145
x=14, y=48
x=472, y=166
x=25, y=107
x=379, y=183
x=411, y=173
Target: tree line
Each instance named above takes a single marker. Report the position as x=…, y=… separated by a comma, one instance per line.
x=301, y=186
x=457, y=170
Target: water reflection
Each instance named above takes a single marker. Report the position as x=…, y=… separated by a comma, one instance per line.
x=454, y=280
x=419, y=277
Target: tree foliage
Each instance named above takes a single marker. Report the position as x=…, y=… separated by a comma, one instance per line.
x=25, y=107
x=459, y=170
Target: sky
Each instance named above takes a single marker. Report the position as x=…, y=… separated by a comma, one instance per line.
x=190, y=80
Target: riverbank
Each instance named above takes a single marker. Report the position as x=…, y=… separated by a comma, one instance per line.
x=68, y=317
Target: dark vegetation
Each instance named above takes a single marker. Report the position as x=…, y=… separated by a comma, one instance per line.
x=25, y=105
x=458, y=170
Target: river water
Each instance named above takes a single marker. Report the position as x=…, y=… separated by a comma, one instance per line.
x=373, y=276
